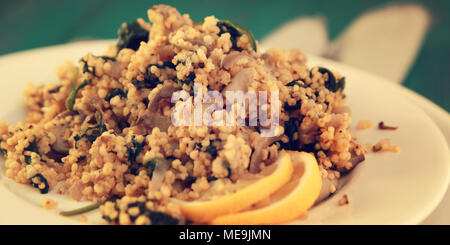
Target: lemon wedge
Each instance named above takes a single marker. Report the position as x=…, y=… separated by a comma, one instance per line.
x=247, y=191
x=287, y=203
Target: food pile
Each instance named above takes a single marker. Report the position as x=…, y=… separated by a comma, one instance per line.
x=105, y=131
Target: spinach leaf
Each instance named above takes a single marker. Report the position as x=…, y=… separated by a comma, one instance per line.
x=87, y=68
x=130, y=36
x=92, y=133
x=3, y=152
x=150, y=80
x=156, y=217
x=212, y=148
x=27, y=159
x=189, y=79
x=115, y=92
x=160, y=218
x=166, y=64
x=297, y=106
x=107, y=58
x=81, y=158
x=141, y=207
x=341, y=84
x=70, y=101
x=36, y=182
x=295, y=82
x=189, y=181
x=134, y=151
x=198, y=146
x=150, y=165
x=331, y=83
x=290, y=128
x=236, y=31
x=212, y=178
x=81, y=210
x=33, y=146
x=153, y=163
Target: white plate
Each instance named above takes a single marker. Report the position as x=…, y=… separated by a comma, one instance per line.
x=387, y=188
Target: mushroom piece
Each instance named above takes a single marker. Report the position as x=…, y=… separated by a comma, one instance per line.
x=257, y=155
x=325, y=192
x=156, y=95
x=241, y=80
x=355, y=160
x=156, y=120
x=232, y=58
x=75, y=190
x=61, y=145
x=116, y=69
x=160, y=167
x=151, y=117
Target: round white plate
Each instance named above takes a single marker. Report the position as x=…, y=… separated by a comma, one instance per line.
x=387, y=188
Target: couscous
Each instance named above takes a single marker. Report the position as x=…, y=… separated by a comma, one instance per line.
x=105, y=128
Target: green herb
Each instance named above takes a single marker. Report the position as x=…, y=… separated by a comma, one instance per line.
x=36, y=180
x=87, y=68
x=297, y=106
x=3, y=152
x=197, y=146
x=72, y=84
x=92, y=133
x=236, y=31
x=81, y=159
x=82, y=210
x=341, y=84
x=290, y=128
x=27, y=159
x=150, y=165
x=135, y=150
x=115, y=92
x=156, y=218
x=107, y=58
x=166, y=64
x=138, y=84
x=88, y=208
x=189, y=79
x=310, y=148
x=212, y=148
x=331, y=83
x=295, y=82
x=145, y=102
x=226, y=165
x=327, y=104
x=160, y=218
x=33, y=146
x=150, y=80
x=212, y=178
x=140, y=206
x=131, y=36
x=70, y=101
x=189, y=181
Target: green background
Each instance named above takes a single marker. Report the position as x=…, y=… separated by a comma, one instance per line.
x=31, y=24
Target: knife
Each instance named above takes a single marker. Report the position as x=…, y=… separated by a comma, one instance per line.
x=383, y=41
